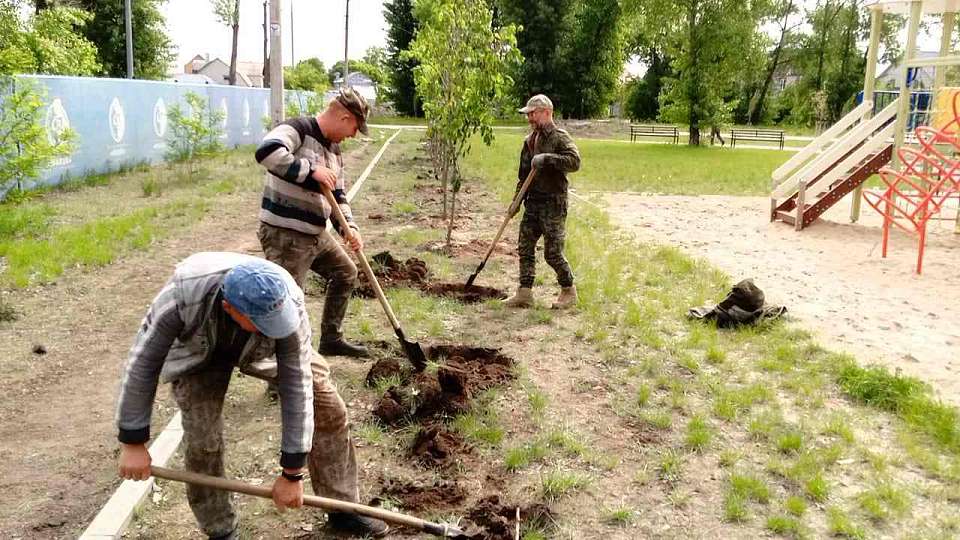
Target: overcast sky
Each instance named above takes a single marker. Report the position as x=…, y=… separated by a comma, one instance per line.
x=317, y=28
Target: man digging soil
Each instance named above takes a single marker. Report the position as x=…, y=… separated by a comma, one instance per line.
x=300, y=155
x=226, y=310
x=550, y=151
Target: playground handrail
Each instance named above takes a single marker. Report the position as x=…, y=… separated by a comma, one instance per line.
x=873, y=145
x=831, y=155
x=815, y=145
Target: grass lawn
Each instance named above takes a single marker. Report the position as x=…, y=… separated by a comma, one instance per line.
x=666, y=169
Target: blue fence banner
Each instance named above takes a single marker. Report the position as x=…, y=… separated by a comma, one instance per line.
x=121, y=122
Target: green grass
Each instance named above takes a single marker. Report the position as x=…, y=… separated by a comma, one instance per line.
x=790, y=442
x=698, y=434
x=787, y=526
x=522, y=456
x=735, y=508
x=619, y=516
x=840, y=524
x=909, y=398
x=795, y=506
x=680, y=170
x=671, y=464
x=482, y=424
x=96, y=243
x=557, y=483
x=750, y=487
x=884, y=502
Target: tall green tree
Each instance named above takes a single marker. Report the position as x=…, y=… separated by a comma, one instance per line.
x=783, y=13
x=714, y=45
x=228, y=14
x=152, y=48
x=308, y=74
x=402, y=28
x=544, y=27
x=50, y=42
x=591, y=59
x=463, y=77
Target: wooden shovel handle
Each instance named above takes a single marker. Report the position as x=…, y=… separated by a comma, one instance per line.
x=364, y=264
x=331, y=505
x=511, y=210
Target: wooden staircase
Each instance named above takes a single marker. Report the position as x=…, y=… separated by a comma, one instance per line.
x=832, y=166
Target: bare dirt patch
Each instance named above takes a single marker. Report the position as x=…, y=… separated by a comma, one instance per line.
x=414, y=272
x=490, y=519
x=416, y=497
x=830, y=275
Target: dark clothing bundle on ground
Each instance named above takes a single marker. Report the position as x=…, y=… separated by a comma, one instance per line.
x=744, y=304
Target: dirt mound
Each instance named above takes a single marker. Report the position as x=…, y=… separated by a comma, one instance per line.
x=435, y=446
x=415, y=497
x=462, y=372
x=392, y=272
x=385, y=369
x=473, y=248
x=491, y=520
x=462, y=293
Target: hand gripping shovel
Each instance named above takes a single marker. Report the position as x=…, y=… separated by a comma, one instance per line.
x=412, y=349
x=330, y=505
x=511, y=210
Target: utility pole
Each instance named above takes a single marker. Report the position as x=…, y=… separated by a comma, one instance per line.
x=128, y=25
x=293, y=58
x=346, y=34
x=276, y=64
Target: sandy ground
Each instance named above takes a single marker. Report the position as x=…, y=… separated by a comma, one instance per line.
x=830, y=276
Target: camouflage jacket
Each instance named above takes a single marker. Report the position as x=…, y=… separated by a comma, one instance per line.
x=562, y=158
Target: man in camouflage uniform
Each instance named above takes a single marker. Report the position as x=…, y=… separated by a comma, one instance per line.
x=550, y=151
x=300, y=155
x=218, y=312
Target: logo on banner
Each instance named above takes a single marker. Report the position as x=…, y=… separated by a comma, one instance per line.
x=57, y=122
x=118, y=123
x=160, y=118
x=225, y=111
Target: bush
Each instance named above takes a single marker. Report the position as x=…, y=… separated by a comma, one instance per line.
x=195, y=133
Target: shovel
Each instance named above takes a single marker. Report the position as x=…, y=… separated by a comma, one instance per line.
x=511, y=210
x=330, y=505
x=411, y=348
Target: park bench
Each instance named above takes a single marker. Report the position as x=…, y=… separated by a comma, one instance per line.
x=770, y=135
x=652, y=130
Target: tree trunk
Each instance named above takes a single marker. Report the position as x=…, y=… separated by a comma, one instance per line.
x=756, y=104
x=693, y=84
x=453, y=206
x=266, y=54
x=236, y=34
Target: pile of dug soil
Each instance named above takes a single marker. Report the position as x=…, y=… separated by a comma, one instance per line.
x=462, y=293
x=391, y=272
x=462, y=372
x=492, y=520
x=435, y=446
x=414, y=497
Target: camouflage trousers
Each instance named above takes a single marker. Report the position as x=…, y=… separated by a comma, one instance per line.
x=298, y=252
x=332, y=461
x=544, y=216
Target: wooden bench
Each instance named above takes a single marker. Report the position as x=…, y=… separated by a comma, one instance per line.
x=768, y=135
x=653, y=130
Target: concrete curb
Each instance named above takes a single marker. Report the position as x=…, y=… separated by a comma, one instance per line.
x=114, y=517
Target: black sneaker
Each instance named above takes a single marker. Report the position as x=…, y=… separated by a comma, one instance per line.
x=342, y=348
x=357, y=525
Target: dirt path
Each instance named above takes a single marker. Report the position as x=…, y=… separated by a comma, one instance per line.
x=57, y=434
x=830, y=276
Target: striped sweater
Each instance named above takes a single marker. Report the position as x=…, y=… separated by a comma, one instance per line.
x=291, y=197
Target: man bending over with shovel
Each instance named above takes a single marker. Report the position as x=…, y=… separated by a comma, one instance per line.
x=550, y=151
x=300, y=155
x=225, y=310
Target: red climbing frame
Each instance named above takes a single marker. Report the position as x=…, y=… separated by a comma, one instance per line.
x=928, y=177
